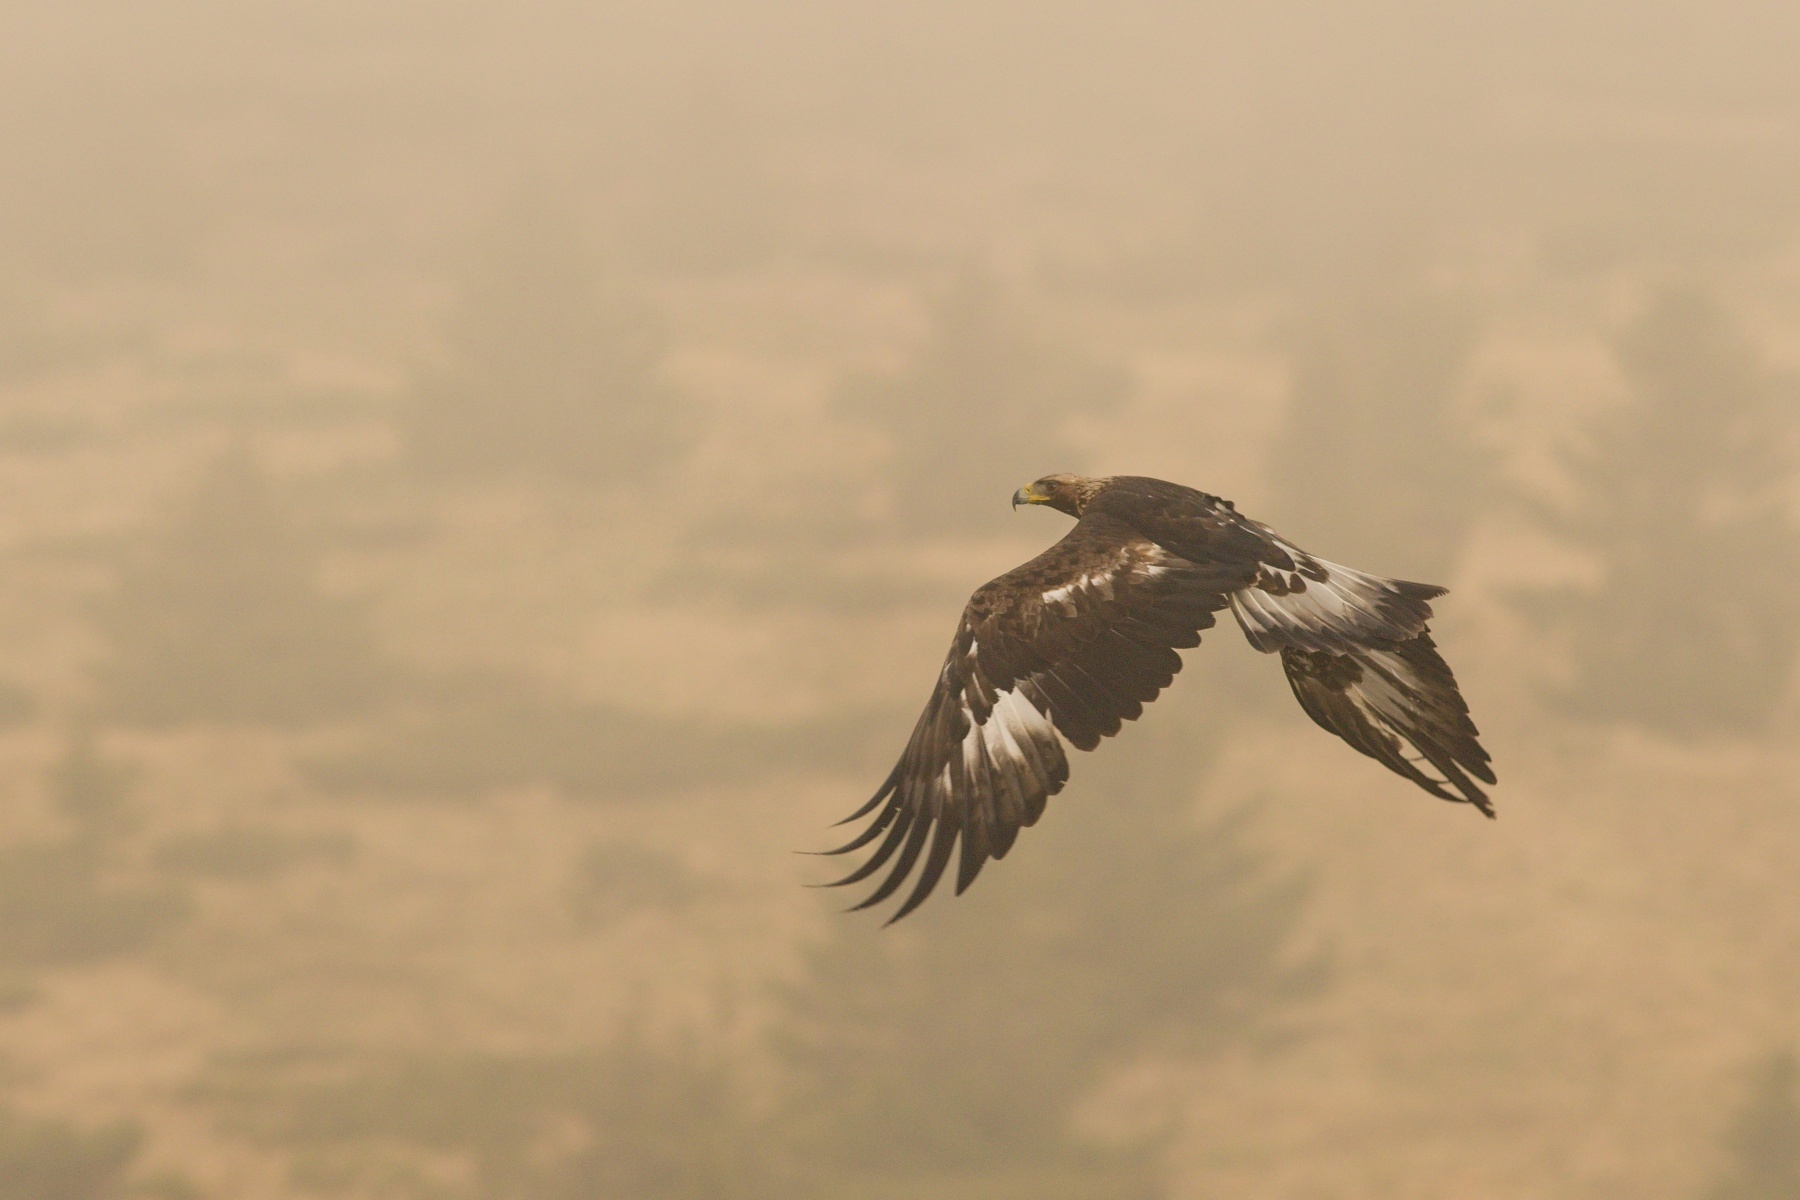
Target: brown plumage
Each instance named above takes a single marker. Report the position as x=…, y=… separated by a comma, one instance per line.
x=1062, y=650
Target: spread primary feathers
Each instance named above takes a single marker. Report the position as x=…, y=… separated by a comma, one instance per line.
x=1058, y=652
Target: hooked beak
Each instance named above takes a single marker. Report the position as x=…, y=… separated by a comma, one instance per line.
x=1028, y=495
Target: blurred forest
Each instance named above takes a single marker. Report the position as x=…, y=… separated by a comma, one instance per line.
x=1693, y=480
x=483, y=488
x=1764, y=1139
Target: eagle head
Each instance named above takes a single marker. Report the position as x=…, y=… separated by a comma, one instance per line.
x=1064, y=493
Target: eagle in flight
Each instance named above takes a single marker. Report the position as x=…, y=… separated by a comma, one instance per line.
x=1058, y=652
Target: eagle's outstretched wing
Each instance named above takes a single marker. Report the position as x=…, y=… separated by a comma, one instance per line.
x=1362, y=664
x=1356, y=648
x=1060, y=650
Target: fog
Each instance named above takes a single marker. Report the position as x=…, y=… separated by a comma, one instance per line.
x=480, y=486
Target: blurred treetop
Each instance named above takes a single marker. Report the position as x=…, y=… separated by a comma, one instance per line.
x=53, y=1160
x=1695, y=625
x=959, y=1046
x=59, y=901
x=1764, y=1139
x=979, y=410
x=220, y=617
x=1376, y=464
x=552, y=365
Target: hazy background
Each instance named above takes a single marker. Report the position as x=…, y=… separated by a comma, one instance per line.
x=480, y=485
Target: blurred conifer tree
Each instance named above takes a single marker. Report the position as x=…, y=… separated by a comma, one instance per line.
x=705, y=197
x=979, y=411
x=1375, y=465
x=56, y=908
x=91, y=790
x=58, y=904
x=53, y=1160
x=1764, y=1140
x=552, y=366
x=952, y=1050
x=220, y=617
x=1695, y=625
x=634, y=1120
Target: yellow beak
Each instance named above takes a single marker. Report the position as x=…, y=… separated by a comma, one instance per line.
x=1028, y=495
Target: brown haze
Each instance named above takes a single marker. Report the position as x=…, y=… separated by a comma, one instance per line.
x=481, y=484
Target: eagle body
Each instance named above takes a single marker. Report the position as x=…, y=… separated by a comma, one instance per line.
x=1061, y=651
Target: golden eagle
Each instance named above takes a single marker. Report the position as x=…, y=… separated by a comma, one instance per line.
x=1060, y=651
